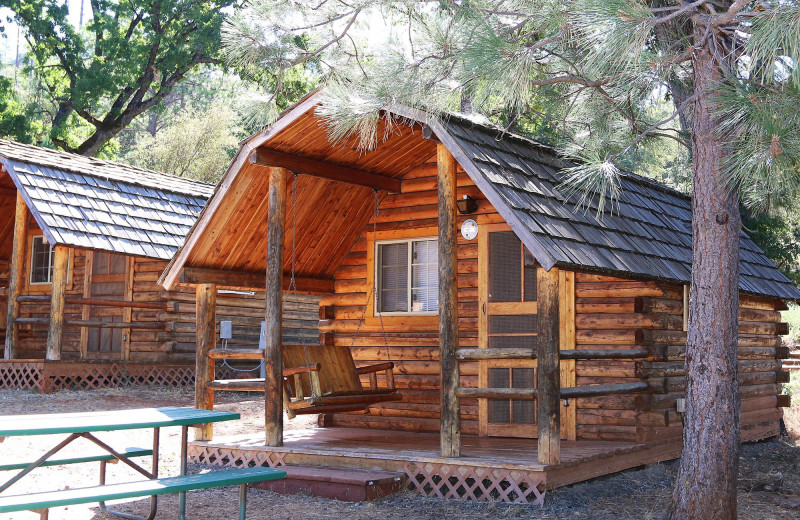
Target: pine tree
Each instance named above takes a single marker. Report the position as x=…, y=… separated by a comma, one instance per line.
x=729, y=69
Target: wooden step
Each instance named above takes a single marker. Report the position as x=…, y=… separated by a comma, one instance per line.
x=236, y=353
x=237, y=385
x=347, y=484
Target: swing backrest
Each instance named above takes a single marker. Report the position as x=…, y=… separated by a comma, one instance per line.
x=337, y=370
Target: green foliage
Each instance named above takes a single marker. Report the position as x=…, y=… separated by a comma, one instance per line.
x=126, y=60
x=778, y=235
x=15, y=118
x=197, y=145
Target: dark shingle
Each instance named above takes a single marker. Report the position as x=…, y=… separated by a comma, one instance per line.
x=649, y=233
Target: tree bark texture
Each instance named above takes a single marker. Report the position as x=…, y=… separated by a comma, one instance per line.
x=206, y=323
x=450, y=422
x=706, y=484
x=273, y=364
x=55, y=332
x=548, y=375
x=16, y=280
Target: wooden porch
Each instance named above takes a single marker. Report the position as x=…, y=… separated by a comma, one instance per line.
x=489, y=468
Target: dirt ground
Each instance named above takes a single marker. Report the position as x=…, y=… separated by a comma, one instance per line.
x=769, y=482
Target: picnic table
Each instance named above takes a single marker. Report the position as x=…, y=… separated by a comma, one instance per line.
x=85, y=425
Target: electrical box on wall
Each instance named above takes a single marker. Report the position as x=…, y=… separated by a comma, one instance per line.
x=680, y=404
x=225, y=330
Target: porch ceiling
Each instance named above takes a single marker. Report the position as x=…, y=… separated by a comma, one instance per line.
x=8, y=201
x=330, y=214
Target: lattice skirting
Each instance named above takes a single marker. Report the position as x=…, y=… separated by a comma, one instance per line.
x=463, y=482
x=50, y=376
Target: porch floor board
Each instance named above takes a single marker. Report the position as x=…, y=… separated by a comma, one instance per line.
x=412, y=452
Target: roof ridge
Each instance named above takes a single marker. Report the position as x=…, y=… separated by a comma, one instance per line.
x=491, y=127
x=13, y=150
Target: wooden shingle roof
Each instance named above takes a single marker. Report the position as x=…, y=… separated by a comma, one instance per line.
x=649, y=232
x=85, y=202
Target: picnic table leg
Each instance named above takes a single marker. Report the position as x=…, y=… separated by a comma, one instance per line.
x=184, y=456
x=154, y=472
x=33, y=465
x=242, y=501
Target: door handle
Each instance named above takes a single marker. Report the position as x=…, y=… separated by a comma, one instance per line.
x=483, y=308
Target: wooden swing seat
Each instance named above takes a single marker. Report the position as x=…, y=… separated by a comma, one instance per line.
x=324, y=379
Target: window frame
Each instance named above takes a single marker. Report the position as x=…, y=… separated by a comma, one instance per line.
x=49, y=261
x=409, y=286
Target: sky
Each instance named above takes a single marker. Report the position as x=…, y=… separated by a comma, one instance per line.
x=8, y=43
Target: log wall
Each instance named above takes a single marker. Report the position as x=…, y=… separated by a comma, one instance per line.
x=413, y=341
x=611, y=313
x=175, y=342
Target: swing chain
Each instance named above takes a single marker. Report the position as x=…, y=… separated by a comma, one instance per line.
x=293, y=280
x=372, y=291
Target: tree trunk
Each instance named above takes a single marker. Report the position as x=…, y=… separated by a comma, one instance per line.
x=706, y=484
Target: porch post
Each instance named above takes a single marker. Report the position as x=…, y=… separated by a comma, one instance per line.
x=547, y=379
x=59, y=293
x=273, y=373
x=16, y=280
x=450, y=421
x=206, y=330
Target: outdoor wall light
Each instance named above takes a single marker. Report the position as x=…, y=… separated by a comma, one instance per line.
x=467, y=205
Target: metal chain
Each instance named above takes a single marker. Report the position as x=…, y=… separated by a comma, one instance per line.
x=372, y=290
x=293, y=281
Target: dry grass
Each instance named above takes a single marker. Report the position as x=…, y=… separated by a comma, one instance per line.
x=769, y=483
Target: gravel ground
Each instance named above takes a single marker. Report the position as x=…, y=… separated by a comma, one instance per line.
x=769, y=483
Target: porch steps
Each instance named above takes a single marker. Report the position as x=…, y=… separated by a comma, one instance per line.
x=345, y=484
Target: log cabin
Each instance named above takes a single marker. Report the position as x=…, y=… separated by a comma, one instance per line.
x=521, y=341
x=82, y=243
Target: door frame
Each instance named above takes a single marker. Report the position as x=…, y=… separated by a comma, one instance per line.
x=566, y=339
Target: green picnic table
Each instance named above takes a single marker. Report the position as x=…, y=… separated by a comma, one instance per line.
x=85, y=424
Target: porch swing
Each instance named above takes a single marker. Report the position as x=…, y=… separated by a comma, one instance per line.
x=323, y=378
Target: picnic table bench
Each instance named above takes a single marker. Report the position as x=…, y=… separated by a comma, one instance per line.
x=85, y=424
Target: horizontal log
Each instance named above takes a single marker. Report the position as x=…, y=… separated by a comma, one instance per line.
x=525, y=353
x=118, y=324
x=565, y=393
x=248, y=279
x=623, y=417
x=649, y=305
x=299, y=164
x=234, y=353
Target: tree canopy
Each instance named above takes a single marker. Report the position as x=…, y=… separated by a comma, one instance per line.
x=126, y=60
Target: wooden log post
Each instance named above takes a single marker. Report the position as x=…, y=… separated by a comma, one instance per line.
x=57, y=300
x=548, y=373
x=450, y=421
x=206, y=323
x=273, y=364
x=16, y=280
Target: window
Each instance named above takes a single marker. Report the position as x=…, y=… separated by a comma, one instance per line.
x=42, y=256
x=407, y=273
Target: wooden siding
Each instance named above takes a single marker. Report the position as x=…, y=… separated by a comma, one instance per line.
x=176, y=341
x=610, y=313
x=413, y=341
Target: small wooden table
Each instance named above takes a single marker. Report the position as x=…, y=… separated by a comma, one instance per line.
x=85, y=424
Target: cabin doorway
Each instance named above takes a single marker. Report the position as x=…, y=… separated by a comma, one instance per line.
x=507, y=318
x=108, y=276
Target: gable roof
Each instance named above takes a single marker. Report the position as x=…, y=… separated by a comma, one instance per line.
x=650, y=236
x=649, y=233
x=85, y=202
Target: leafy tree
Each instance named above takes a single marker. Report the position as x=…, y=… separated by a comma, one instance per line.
x=15, y=119
x=728, y=67
x=197, y=145
x=126, y=60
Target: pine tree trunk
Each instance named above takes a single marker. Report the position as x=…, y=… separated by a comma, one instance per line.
x=706, y=485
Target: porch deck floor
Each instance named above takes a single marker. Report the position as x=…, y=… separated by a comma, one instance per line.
x=391, y=450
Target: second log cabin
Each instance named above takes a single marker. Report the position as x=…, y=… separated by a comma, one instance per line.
x=82, y=243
